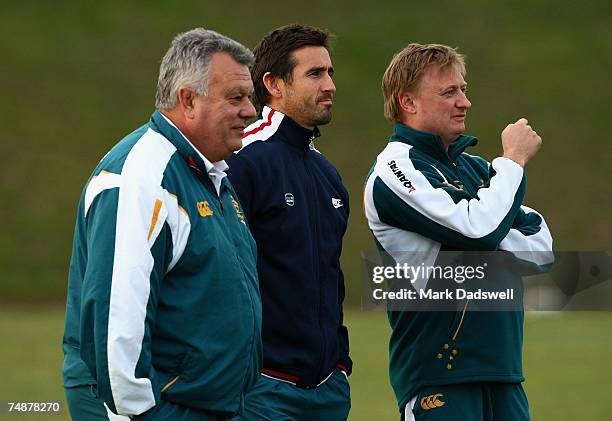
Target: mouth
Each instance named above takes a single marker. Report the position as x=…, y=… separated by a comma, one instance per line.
x=459, y=117
x=325, y=101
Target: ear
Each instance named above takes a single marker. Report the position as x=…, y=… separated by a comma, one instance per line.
x=186, y=102
x=407, y=103
x=273, y=84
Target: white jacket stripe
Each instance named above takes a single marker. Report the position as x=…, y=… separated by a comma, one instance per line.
x=139, y=188
x=536, y=248
x=103, y=181
x=474, y=218
x=403, y=246
x=180, y=227
x=260, y=129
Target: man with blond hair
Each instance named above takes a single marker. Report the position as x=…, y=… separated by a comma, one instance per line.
x=425, y=195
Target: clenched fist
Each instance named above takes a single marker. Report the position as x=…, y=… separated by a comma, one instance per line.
x=520, y=142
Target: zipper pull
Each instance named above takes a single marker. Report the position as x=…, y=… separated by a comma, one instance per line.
x=311, y=144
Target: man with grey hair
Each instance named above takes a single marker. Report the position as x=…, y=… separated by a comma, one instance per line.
x=163, y=317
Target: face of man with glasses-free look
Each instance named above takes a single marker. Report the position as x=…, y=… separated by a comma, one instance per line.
x=162, y=291
x=469, y=364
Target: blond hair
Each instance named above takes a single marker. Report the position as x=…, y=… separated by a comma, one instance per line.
x=407, y=67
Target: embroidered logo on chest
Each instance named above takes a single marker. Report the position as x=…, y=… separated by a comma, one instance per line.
x=289, y=199
x=204, y=209
x=239, y=212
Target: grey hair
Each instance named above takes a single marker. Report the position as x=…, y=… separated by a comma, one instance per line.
x=187, y=63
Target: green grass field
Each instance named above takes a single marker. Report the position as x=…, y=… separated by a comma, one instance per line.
x=567, y=363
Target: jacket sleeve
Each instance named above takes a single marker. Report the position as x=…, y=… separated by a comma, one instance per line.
x=344, y=362
x=409, y=199
x=129, y=249
x=529, y=239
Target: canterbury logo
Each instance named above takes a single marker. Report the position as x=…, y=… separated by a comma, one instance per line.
x=432, y=401
x=336, y=203
x=204, y=209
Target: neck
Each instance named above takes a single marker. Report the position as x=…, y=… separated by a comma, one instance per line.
x=445, y=140
x=175, y=117
x=279, y=106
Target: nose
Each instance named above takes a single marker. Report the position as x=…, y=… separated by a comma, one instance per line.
x=463, y=101
x=248, y=111
x=328, y=85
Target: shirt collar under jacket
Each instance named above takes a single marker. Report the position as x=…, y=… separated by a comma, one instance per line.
x=431, y=143
x=293, y=133
x=194, y=158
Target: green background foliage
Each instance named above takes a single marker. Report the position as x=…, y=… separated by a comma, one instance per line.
x=78, y=75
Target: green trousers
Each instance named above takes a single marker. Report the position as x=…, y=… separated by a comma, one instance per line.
x=277, y=400
x=469, y=402
x=84, y=405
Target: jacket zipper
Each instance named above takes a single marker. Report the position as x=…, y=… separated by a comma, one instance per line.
x=315, y=248
x=248, y=291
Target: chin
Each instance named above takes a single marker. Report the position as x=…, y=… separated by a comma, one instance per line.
x=323, y=118
x=236, y=145
x=459, y=129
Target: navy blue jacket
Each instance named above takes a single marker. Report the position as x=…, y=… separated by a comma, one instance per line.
x=297, y=209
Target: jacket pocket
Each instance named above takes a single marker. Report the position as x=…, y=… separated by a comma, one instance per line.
x=170, y=384
x=459, y=319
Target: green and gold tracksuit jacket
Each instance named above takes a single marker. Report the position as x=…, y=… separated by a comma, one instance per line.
x=163, y=299
x=421, y=199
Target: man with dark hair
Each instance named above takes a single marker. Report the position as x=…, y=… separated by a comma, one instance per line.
x=163, y=317
x=297, y=209
x=424, y=196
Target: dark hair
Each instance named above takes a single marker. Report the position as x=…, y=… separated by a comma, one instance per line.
x=274, y=54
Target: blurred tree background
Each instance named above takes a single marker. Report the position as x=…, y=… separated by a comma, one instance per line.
x=78, y=75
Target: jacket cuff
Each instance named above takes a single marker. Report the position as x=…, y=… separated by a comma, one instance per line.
x=346, y=365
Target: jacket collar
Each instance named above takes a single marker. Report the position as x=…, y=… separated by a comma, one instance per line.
x=431, y=143
x=294, y=134
x=194, y=158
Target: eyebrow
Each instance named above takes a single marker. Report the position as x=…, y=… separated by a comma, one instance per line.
x=315, y=69
x=446, y=88
x=240, y=90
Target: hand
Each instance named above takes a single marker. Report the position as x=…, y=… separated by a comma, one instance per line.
x=520, y=142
